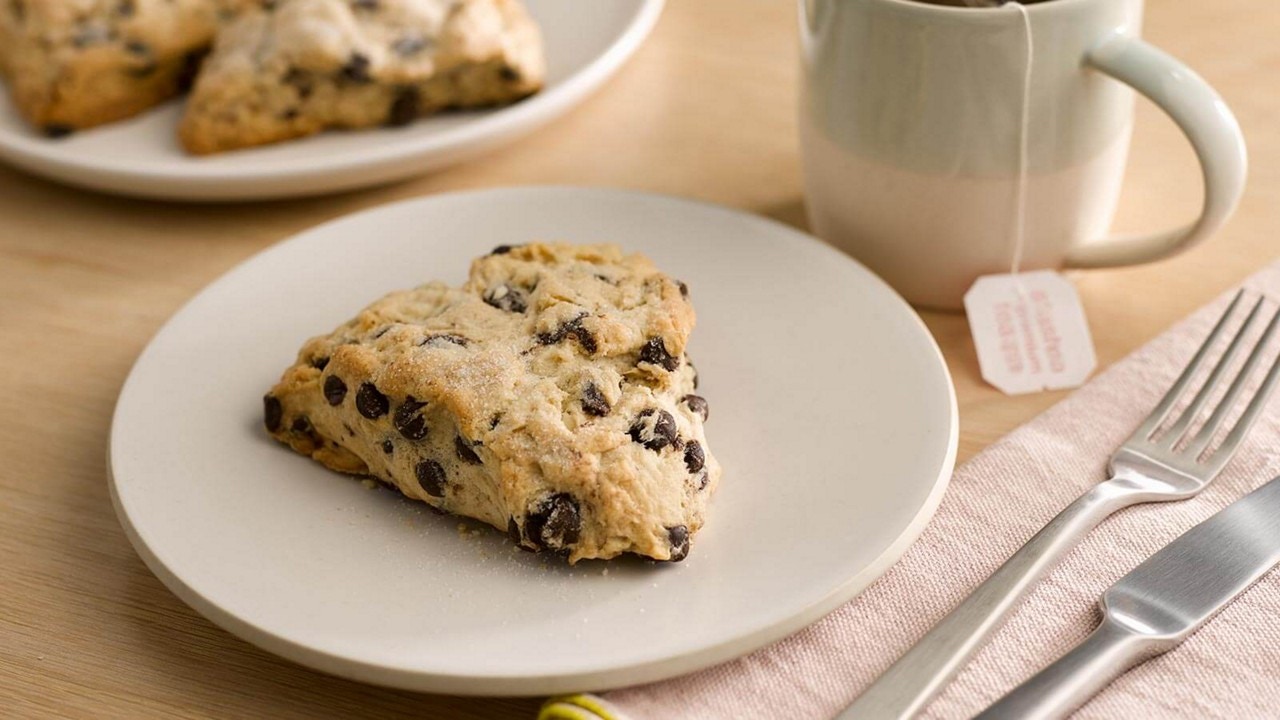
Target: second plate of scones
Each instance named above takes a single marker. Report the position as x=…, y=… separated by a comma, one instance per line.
x=290, y=97
x=299, y=67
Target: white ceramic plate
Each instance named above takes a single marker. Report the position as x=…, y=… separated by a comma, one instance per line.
x=831, y=411
x=586, y=42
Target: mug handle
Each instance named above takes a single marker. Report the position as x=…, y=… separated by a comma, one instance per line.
x=1208, y=124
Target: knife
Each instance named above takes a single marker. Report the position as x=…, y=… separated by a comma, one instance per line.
x=1154, y=608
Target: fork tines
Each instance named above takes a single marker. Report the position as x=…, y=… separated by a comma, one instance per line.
x=1197, y=444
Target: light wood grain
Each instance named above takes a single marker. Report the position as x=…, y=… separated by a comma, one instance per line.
x=705, y=110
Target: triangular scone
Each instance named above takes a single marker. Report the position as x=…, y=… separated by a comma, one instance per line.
x=72, y=64
x=550, y=397
x=296, y=67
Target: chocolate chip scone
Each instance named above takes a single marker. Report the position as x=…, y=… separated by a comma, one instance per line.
x=298, y=67
x=73, y=64
x=549, y=396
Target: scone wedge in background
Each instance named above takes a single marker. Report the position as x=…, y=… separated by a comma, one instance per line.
x=296, y=67
x=73, y=64
x=550, y=396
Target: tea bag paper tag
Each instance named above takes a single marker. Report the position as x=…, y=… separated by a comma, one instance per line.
x=1030, y=332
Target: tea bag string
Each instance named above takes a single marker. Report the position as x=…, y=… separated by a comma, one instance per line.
x=1024, y=126
x=1018, y=233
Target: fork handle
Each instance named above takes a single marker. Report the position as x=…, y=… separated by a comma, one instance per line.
x=903, y=690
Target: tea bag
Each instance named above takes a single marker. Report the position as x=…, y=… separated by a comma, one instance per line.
x=1029, y=329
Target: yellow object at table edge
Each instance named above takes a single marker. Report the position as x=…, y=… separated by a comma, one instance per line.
x=578, y=707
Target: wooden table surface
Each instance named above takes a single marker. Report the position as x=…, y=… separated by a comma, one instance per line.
x=706, y=109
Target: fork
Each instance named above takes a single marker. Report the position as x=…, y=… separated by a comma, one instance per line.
x=1150, y=466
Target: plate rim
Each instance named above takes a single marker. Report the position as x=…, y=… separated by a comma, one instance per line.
x=413, y=156
x=618, y=675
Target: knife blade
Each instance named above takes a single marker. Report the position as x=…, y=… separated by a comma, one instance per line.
x=1159, y=604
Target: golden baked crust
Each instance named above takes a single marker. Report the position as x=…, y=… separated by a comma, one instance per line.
x=550, y=396
x=302, y=66
x=73, y=64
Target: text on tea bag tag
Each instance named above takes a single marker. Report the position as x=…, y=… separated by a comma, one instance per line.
x=1030, y=332
x=1029, y=328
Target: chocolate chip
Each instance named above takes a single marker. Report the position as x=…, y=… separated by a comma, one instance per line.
x=493, y=421
x=55, y=130
x=320, y=363
x=430, y=477
x=272, y=412
x=301, y=81
x=655, y=352
x=694, y=457
x=444, y=339
x=556, y=523
x=465, y=453
x=388, y=447
x=593, y=401
x=695, y=372
x=506, y=297
x=703, y=479
x=371, y=403
x=301, y=425
x=405, y=108
x=509, y=73
x=502, y=250
x=409, y=420
x=655, y=429
x=698, y=405
x=357, y=68
x=574, y=329
x=678, y=535
x=586, y=340
x=684, y=289
x=335, y=391
x=409, y=45
x=513, y=530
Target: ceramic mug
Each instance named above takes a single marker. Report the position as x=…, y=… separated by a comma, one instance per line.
x=911, y=132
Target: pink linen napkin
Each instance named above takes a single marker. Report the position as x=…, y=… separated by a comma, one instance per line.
x=996, y=501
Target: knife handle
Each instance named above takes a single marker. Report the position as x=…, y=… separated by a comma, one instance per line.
x=904, y=689
x=1077, y=676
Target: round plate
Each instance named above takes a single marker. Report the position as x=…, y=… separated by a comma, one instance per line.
x=586, y=42
x=831, y=411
